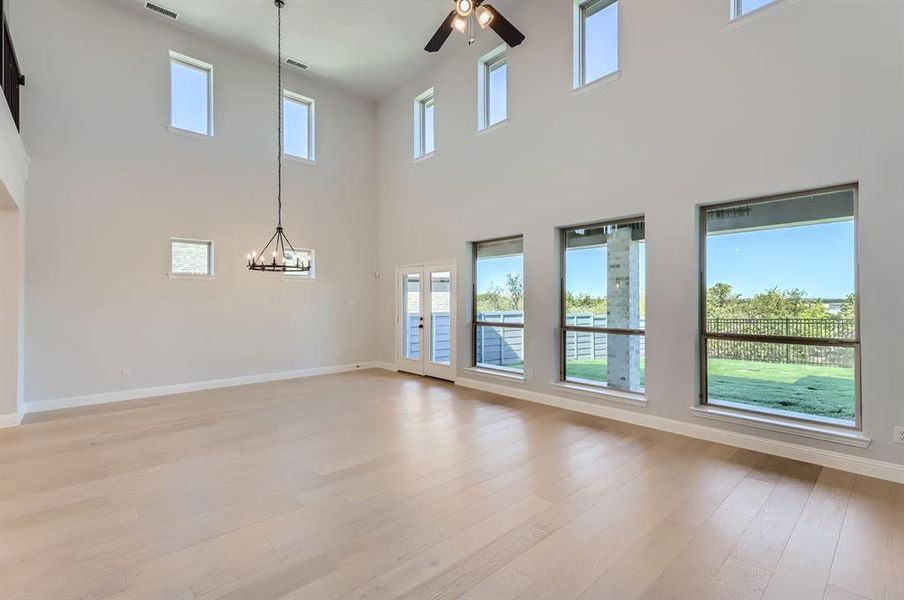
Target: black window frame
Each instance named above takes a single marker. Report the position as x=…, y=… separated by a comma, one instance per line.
x=854, y=343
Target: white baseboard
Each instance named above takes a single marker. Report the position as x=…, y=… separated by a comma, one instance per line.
x=377, y=364
x=825, y=458
x=181, y=388
x=10, y=420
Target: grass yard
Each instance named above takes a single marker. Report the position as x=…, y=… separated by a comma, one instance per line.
x=807, y=389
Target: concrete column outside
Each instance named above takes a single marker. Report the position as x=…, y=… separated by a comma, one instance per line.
x=623, y=290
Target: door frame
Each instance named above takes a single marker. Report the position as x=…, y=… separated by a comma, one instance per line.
x=427, y=368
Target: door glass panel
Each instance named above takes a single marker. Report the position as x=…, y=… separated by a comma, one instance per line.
x=440, y=317
x=411, y=316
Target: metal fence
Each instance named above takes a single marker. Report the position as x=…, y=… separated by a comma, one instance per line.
x=798, y=354
x=838, y=329
x=505, y=346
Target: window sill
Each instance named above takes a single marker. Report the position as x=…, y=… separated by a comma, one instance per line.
x=753, y=15
x=300, y=159
x=492, y=127
x=596, y=83
x=189, y=133
x=510, y=377
x=187, y=276
x=815, y=431
x=297, y=279
x=424, y=157
x=602, y=393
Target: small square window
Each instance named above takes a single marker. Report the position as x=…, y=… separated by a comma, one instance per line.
x=492, y=88
x=596, y=40
x=424, y=123
x=301, y=256
x=298, y=126
x=191, y=92
x=739, y=8
x=191, y=258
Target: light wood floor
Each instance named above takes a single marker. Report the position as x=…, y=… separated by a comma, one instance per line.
x=377, y=485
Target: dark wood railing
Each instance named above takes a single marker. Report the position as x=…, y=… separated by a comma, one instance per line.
x=11, y=77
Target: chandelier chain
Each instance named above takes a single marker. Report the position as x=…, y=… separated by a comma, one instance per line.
x=279, y=105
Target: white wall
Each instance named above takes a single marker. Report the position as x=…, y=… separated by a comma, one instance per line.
x=806, y=94
x=14, y=164
x=110, y=184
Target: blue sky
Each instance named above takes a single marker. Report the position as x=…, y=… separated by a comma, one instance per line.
x=601, y=43
x=498, y=92
x=818, y=259
x=189, y=98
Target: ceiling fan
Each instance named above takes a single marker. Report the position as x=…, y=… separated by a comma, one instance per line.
x=461, y=19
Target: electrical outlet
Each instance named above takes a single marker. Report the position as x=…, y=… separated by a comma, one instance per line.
x=127, y=373
x=899, y=434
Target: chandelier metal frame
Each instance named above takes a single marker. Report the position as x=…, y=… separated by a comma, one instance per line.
x=279, y=242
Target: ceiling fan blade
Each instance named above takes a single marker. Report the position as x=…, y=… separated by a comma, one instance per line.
x=508, y=32
x=441, y=35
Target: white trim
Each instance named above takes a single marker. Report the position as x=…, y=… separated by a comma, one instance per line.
x=211, y=258
x=812, y=430
x=202, y=66
x=420, y=138
x=182, y=388
x=579, y=75
x=602, y=393
x=484, y=63
x=736, y=20
x=379, y=364
x=423, y=157
x=298, y=159
x=311, y=159
x=825, y=458
x=11, y=419
x=189, y=133
x=199, y=276
x=510, y=377
x=596, y=83
x=493, y=127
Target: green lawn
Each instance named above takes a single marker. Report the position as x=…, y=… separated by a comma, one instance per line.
x=807, y=389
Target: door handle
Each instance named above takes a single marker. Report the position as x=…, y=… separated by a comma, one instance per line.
x=421, y=326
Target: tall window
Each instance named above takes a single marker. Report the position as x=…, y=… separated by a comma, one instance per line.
x=603, y=305
x=779, y=319
x=191, y=91
x=298, y=125
x=492, y=88
x=499, y=304
x=191, y=258
x=739, y=8
x=424, y=117
x=596, y=40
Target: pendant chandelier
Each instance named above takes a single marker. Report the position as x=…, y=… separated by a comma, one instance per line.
x=283, y=257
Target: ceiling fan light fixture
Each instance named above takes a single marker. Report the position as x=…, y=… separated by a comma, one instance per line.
x=484, y=16
x=464, y=7
x=460, y=23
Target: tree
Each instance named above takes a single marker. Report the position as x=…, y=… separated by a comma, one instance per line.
x=723, y=303
x=515, y=284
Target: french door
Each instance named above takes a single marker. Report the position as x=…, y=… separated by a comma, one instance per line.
x=425, y=320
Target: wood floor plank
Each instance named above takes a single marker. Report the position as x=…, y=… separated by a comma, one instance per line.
x=375, y=485
x=862, y=553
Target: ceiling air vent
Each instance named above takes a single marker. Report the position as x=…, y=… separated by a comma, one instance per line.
x=160, y=10
x=297, y=64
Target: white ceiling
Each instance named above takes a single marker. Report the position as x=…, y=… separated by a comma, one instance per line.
x=366, y=46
